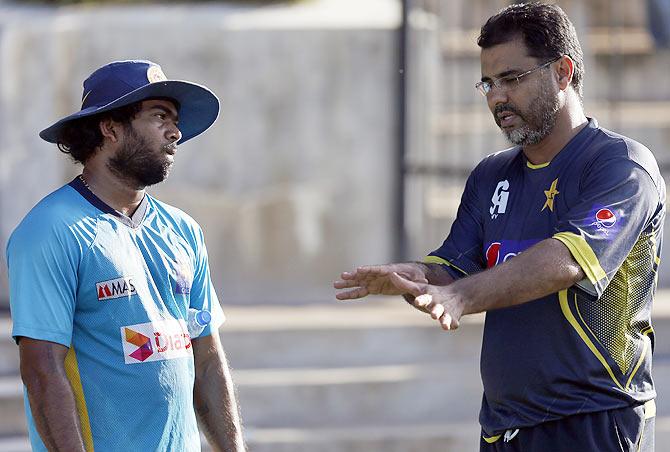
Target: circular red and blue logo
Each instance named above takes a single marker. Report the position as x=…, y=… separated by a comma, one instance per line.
x=605, y=218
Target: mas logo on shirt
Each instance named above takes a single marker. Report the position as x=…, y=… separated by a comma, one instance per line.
x=115, y=288
x=155, y=341
x=499, y=199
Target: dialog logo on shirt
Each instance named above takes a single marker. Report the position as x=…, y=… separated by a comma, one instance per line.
x=115, y=288
x=155, y=341
x=143, y=344
x=499, y=199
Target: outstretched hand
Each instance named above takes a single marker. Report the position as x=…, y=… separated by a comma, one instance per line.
x=441, y=302
x=375, y=280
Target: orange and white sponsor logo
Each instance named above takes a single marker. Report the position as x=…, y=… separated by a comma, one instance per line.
x=155, y=341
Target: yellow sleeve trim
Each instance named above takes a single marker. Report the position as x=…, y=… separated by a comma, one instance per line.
x=72, y=372
x=439, y=260
x=538, y=166
x=491, y=439
x=583, y=254
x=646, y=333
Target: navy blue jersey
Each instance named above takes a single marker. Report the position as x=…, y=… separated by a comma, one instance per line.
x=587, y=348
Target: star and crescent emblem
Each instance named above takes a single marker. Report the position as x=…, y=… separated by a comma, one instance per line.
x=550, y=194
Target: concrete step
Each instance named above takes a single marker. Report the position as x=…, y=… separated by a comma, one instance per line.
x=381, y=332
x=411, y=438
x=380, y=395
x=350, y=377
x=424, y=437
x=386, y=332
x=335, y=397
x=12, y=414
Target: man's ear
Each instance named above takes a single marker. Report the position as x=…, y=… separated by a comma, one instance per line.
x=566, y=69
x=110, y=129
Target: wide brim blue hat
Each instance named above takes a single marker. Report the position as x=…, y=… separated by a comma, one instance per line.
x=122, y=83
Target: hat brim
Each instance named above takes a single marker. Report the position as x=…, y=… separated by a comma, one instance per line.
x=198, y=107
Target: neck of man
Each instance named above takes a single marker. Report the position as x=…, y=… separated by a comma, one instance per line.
x=114, y=191
x=569, y=122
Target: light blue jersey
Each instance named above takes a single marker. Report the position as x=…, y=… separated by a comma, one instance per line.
x=115, y=290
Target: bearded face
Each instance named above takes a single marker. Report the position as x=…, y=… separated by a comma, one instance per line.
x=537, y=120
x=141, y=162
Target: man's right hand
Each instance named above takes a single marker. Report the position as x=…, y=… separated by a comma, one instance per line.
x=375, y=280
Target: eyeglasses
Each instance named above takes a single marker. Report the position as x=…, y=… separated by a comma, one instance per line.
x=509, y=81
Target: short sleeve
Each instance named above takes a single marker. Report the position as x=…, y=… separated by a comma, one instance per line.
x=203, y=295
x=461, y=251
x=43, y=263
x=618, y=201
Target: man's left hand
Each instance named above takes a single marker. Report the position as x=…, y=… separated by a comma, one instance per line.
x=442, y=303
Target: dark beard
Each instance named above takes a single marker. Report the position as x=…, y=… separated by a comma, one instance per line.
x=137, y=164
x=539, y=120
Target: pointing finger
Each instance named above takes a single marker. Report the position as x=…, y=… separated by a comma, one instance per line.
x=352, y=294
x=344, y=284
x=405, y=285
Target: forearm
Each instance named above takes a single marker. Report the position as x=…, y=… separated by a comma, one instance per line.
x=543, y=269
x=215, y=402
x=51, y=399
x=55, y=413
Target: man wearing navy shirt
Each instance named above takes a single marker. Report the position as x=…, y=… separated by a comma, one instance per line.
x=558, y=240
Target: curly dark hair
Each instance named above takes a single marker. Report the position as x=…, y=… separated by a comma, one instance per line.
x=81, y=137
x=545, y=29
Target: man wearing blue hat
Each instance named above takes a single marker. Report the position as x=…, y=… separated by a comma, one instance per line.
x=104, y=277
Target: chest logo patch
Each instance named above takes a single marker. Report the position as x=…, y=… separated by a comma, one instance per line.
x=499, y=199
x=550, y=194
x=155, y=341
x=183, y=276
x=115, y=288
x=605, y=218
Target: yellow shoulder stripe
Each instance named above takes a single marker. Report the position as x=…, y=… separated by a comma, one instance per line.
x=72, y=372
x=439, y=260
x=583, y=254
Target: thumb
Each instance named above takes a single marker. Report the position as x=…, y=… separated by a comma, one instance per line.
x=406, y=285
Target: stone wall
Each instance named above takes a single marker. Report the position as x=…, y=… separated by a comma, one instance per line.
x=292, y=185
